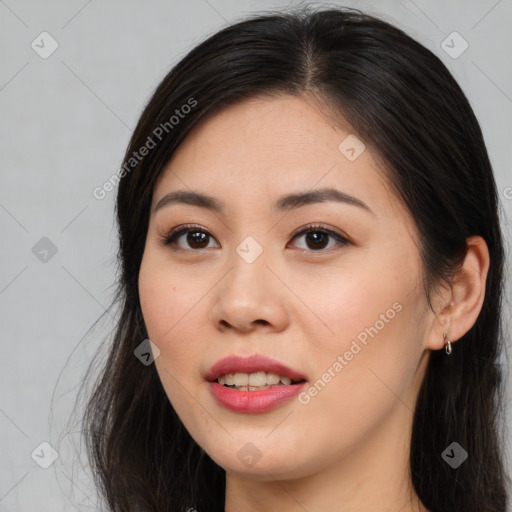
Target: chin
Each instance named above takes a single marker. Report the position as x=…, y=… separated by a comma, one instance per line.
x=275, y=466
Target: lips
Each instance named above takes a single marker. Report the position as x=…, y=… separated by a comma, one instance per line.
x=251, y=364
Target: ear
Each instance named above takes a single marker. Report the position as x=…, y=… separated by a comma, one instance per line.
x=460, y=305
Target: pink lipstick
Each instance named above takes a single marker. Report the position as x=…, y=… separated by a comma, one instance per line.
x=265, y=383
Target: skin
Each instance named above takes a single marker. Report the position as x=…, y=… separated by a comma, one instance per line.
x=347, y=449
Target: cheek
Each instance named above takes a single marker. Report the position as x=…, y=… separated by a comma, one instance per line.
x=367, y=374
x=162, y=307
x=155, y=299
x=342, y=305
x=163, y=299
x=170, y=305
x=372, y=316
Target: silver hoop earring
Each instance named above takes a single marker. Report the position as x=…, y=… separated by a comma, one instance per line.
x=448, y=345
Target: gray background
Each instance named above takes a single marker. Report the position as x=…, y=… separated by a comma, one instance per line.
x=65, y=123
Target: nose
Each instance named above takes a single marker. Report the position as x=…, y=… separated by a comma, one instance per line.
x=250, y=297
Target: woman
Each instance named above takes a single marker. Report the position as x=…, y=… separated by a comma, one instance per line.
x=311, y=275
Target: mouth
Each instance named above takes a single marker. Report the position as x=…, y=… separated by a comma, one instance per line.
x=254, y=384
x=256, y=381
x=253, y=373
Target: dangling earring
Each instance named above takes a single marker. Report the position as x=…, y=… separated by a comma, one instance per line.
x=448, y=344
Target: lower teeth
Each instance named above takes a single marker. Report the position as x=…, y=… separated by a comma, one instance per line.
x=250, y=388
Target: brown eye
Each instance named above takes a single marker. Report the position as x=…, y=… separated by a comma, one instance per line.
x=317, y=238
x=196, y=238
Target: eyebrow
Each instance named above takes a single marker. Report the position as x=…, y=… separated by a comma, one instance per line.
x=284, y=203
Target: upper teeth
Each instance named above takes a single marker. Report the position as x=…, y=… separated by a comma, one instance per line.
x=253, y=379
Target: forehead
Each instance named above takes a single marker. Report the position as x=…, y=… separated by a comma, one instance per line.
x=263, y=148
x=277, y=133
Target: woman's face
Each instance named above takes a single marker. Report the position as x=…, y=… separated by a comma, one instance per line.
x=347, y=314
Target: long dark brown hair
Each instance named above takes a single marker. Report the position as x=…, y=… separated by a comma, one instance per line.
x=401, y=100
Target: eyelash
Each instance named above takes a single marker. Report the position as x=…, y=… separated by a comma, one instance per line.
x=170, y=239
